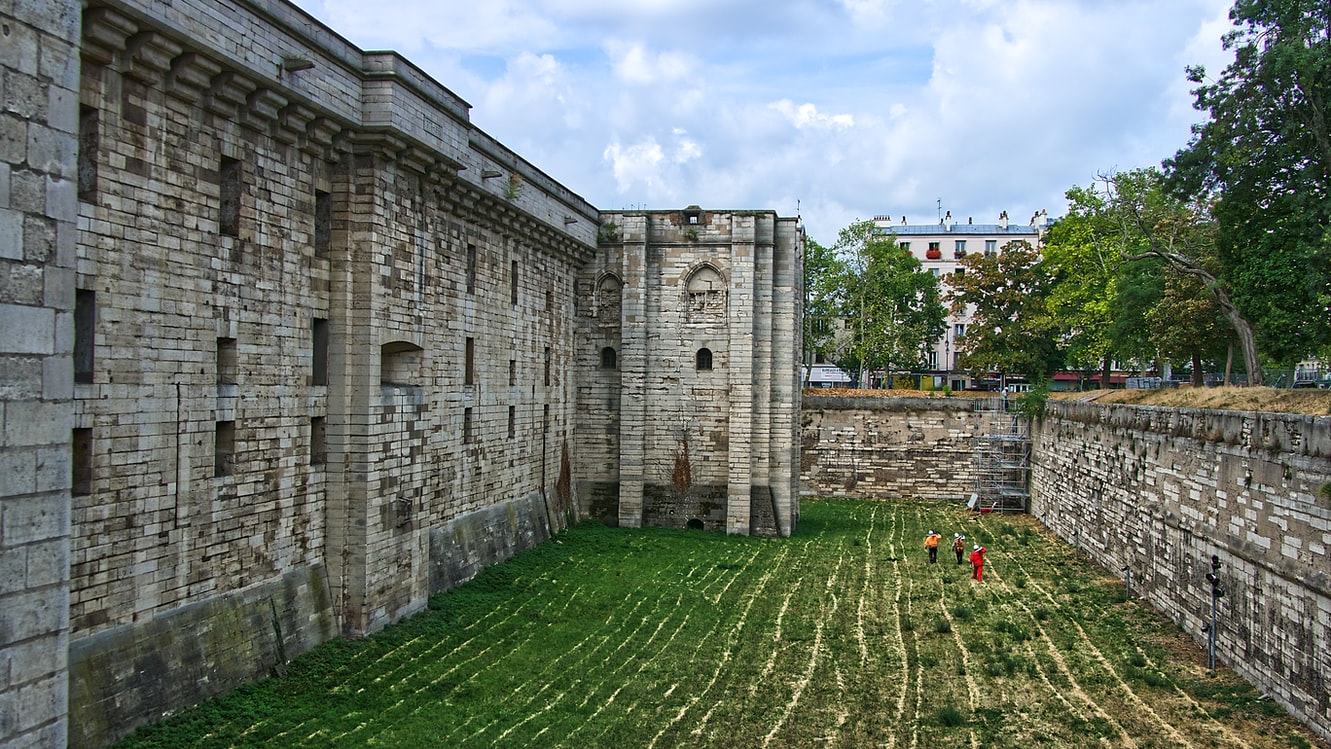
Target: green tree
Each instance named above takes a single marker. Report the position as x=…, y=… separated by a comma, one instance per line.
x=1186, y=325
x=1265, y=157
x=823, y=288
x=893, y=307
x=1011, y=329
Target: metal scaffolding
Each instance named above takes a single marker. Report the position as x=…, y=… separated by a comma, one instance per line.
x=1001, y=459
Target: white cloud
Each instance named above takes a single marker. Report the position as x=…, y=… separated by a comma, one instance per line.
x=634, y=63
x=807, y=115
x=852, y=108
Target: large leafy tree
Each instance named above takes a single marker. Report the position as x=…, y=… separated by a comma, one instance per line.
x=894, y=308
x=1265, y=156
x=823, y=288
x=1186, y=324
x=1011, y=329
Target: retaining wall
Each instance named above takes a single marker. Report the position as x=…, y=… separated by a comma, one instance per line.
x=1161, y=490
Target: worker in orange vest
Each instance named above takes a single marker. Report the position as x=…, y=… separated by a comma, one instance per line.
x=931, y=545
x=959, y=546
x=977, y=562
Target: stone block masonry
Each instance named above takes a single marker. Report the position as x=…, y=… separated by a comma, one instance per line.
x=1156, y=490
x=38, y=175
x=1161, y=490
x=288, y=345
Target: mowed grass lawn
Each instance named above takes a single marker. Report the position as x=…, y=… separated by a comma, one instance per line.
x=840, y=636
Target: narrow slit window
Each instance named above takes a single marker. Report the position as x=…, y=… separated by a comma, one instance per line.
x=231, y=174
x=226, y=361
x=471, y=269
x=512, y=371
x=85, y=333
x=513, y=284
x=469, y=366
x=318, y=440
x=81, y=462
x=319, y=350
x=89, y=147
x=323, y=223
x=547, y=366
x=608, y=358
x=512, y=421
x=224, y=448
x=467, y=435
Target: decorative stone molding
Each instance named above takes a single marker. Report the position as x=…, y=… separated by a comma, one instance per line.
x=191, y=76
x=104, y=34
x=228, y=92
x=148, y=56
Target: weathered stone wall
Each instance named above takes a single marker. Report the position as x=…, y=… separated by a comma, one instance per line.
x=332, y=321
x=1161, y=490
x=38, y=188
x=691, y=439
x=890, y=446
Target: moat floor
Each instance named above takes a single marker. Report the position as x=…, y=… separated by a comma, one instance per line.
x=843, y=635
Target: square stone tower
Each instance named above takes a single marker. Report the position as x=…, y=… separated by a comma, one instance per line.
x=687, y=410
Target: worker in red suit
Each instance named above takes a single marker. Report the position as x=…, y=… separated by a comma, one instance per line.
x=977, y=562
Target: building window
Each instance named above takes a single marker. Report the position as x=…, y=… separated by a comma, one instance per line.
x=85, y=332
x=224, y=448
x=228, y=220
x=703, y=360
x=319, y=346
x=990, y=246
x=469, y=366
x=400, y=363
x=513, y=284
x=318, y=440
x=323, y=223
x=934, y=252
x=226, y=361
x=81, y=462
x=958, y=331
x=89, y=135
x=512, y=371
x=547, y=366
x=933, y=360
x=545, y=419
x=608, y=357
x=466, y=426
x=904, y=245
x=959, y=249
x=471, y=269
x=512, y=421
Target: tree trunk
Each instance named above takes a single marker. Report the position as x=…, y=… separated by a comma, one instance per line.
x=1229, y=363
x=1105, y=373
x=1197, y=379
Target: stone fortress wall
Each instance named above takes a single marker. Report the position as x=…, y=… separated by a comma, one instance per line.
x=701, y=309
x=1156, y=490
x=288, y=345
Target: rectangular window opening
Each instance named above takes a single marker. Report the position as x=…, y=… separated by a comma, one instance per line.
x=226, y=361
x=469, y=366
x=81, y=463
x=471, y=269
x=319, y=346
x=89, y=147
x=85, y=332
x=224, y=448
x=547, y=366
x=323, y=223
x=231, y=175
x=512, y=371
x=513, y=284
x=512, y=421
x=545, y=418
x=318, y=440
x=466, y=426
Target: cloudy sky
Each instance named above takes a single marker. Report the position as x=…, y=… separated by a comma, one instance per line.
x=832, y=109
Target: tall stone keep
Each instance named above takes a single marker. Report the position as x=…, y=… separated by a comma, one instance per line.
x=689, y=403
